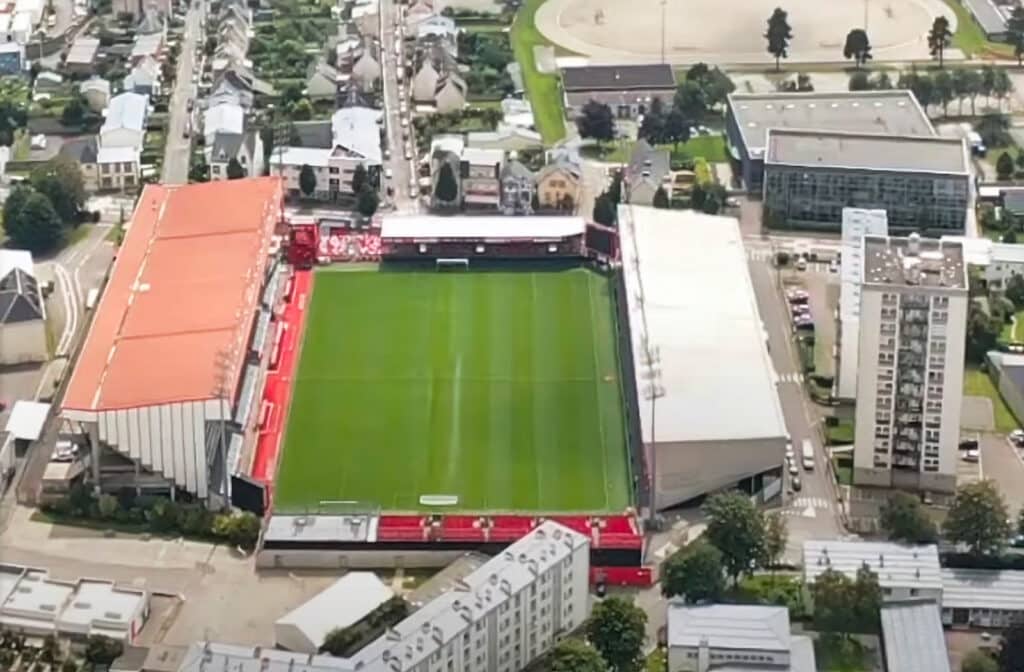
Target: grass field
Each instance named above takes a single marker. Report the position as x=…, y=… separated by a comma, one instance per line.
x=499, y=387
x=541, y=89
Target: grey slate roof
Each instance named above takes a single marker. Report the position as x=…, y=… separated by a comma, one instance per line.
x=225, y=146
x=514, y=169
x=20, y=300
x=618, y=77
x=913, y=636
x=867, y=151
x=81, y=150
x=314, y=134
x=729, y=626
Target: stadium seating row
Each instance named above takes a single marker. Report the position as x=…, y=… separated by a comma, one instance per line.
x=350, y=247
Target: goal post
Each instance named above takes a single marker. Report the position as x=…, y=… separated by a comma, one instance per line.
x=452, y=264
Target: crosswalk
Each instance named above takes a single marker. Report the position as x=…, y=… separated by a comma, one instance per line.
x=805, y=507
x=791, y=378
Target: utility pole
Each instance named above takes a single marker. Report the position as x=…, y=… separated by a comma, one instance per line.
x=663, y=30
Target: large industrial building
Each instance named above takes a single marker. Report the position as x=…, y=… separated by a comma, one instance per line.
x=502, y=616
x=167, y=379
x=708, y=411
x=749, y=117
x=913, y=319
x=923, y=183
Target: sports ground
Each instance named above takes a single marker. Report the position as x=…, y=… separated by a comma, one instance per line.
x=499, y=387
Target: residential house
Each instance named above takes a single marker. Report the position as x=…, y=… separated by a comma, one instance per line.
x=366, y=18
x=647, y=171
x=440, y=157
x=83, y=151
x=322, y=81
x=518, y=187
x=351, y=95
x=507, y=138
x=246, y=148
x=431, y=65
x=627, y=89
x=137, y=8
x=355, y=141
x=81, y=57
x=149, y=46
x=125, y=124
x=440, y=29
x=22, y=311
x=151, y=23
x=144, y=78
x=12, y=58
x=223, y=117
x=558, y=182
x=450, y=93
x=238, y=81
x=366, y=65
x=96, y=92
x=416, y=12
x=118, y=168
x=480, y=175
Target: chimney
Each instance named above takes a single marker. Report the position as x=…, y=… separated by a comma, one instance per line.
x=703, y=656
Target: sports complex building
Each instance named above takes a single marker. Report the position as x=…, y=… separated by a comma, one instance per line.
x=401, y=394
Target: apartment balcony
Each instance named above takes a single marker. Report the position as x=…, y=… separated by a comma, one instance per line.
x=909, y=304
x=909, y=406
x=911, y=391
x=909, y=375
x=909, y=419
x=914, y=317
x=908, y=433
x=908, y=331
x=904, y=447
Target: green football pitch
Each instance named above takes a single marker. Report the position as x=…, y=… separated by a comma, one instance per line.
x=501, y=388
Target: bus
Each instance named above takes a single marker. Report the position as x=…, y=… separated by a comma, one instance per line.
x=808, y=455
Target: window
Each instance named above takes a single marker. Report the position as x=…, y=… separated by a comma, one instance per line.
x=215, y=169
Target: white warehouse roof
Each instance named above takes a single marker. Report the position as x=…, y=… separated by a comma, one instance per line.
x=341, y=604
x=897, y=565
x=691, y=303
x=983, y=589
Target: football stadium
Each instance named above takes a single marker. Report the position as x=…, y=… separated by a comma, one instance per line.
x=490, y=389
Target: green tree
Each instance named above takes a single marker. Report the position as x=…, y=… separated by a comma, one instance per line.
x=695, y=573
x=60, y=180
x=982, y=333
x=833, y=598
x=857, y=47
x=736, y=528
x=778, y=35
x=979, y=661
x=31, y=222
x=776, y=536
x=1015, y=29
x=715, y=84
x=978, y=519
x=198, y=170
x=676, y=129
x=1011, y=649
x=1001, y=87
x=690, y=101
x=973, y=86
x=604, y=210
x=49, y=652
x=867, y=601
x=73, y=114
x=338, y=641
x=660, y=198
x=988, y=81
x=447, y=189
x=575, y=655
x=239, y=529
x=882, y=82
x=616, y=629
x=944, y=90
x=939, y=37
x=367, y=201
x=100, y=650
x=904, y=519
x=596, y=121
x=359, y=179
x=994, y=129
x=302, y=110
x=614, y=190
x=235, y=171
x=1004, y=166
x=307, y=180
x=860, y=81
x=107, y=505
x=652, y=128
x=1015, y=290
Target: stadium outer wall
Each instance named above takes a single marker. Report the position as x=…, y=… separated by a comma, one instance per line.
x=431, y=541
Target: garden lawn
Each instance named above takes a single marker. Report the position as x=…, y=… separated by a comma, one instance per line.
x=708, y=147
x=970, y=38
x=499, y=387
x=542, y=90
x=978, y=384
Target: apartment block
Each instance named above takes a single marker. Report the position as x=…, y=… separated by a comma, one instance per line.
x=499, y=618
x=913, y=318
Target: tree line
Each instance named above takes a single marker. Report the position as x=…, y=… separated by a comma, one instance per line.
x=944, y=87
x=41, y=212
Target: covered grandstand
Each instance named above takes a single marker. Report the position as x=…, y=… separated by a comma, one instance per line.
x=428, y=236
x=168, y=379
x=706, y=404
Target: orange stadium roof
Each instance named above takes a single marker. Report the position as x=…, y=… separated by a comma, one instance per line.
x=175, y=318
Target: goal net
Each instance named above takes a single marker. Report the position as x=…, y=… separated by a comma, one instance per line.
x=452, y=264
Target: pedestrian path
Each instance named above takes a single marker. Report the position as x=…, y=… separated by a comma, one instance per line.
x=791, y=378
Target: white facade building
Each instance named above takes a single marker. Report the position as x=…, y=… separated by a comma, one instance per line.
x=718, y=636
x=913, y=318
x=904, y=571
x=857, y=223
x=499, y=618
x=344, y=602
x=982, y=598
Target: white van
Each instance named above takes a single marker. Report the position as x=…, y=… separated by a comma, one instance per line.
x=92, y=298
x=808, y=455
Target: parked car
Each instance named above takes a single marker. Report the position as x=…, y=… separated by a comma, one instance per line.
x=801, y=264
x=388, y=173
x=789, y=451
x=793, y=469
x=969, y=444
x=971, y=455
x=803, y=318
x=64, y=451
x=1017, y=436
x=796, y=484
x=798, y=309
x=797, y=296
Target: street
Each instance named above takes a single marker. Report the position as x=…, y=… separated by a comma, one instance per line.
x=404, y=177
x=178, y=152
